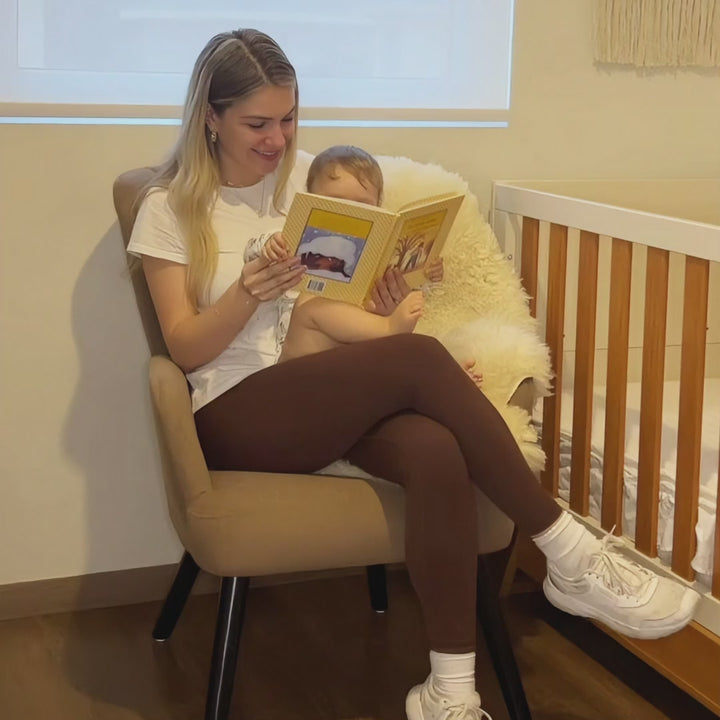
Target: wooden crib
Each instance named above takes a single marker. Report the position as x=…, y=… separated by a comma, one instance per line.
x=625, y=279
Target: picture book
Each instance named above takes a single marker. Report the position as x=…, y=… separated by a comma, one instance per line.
x=346, y=245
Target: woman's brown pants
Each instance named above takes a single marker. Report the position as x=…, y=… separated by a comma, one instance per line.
x=402, y=409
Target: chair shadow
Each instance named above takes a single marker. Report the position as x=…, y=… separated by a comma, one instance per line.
x=109, y=434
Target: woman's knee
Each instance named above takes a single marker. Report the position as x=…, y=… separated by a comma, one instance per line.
x=431, y=456
x=414, y=350
x=418, y=343
x=438, y=488
x=435, y=449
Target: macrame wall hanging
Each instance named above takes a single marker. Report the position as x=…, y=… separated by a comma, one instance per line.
x=658, y=33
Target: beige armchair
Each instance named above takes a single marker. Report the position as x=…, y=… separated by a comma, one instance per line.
x=240, y=525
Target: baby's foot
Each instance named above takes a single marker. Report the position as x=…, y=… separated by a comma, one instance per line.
x=406, y=315
x=469, y=367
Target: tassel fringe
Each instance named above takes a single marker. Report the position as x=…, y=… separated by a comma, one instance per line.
x=657, y=33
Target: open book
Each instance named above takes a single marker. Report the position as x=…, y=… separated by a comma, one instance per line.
x=346, y=245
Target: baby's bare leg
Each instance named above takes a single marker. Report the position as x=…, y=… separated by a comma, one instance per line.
x=320, y=324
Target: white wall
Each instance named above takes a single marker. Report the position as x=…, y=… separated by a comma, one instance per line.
x=81, y=490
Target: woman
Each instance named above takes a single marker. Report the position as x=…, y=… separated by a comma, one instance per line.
x=409, y=413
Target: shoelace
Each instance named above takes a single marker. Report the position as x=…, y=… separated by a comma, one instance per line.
x=464, y=712
x=616, y=571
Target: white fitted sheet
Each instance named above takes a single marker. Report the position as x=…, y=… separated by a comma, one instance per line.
x=705, y=529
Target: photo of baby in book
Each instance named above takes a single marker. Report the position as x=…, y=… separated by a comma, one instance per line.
x=330, y=256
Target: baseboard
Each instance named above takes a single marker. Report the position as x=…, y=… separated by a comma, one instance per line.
x=84, y=592
x=119, y=587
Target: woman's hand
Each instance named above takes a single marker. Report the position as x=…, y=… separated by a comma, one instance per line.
x=435, y=271
x=266, y=280
x=390, y=290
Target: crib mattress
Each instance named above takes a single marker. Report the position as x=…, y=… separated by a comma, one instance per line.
x=705, y=529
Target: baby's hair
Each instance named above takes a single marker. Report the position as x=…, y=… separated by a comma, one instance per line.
x=358, y=162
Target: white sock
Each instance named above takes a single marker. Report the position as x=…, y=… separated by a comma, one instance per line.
x=453, y=674
x=567, y=544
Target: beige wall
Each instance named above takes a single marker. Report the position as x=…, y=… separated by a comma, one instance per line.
x=81, y=490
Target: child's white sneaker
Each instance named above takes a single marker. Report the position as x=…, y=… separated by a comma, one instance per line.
x=623, y=595
x=423, y=702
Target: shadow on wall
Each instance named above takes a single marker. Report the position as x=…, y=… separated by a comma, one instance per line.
x=109, y=433
x=109, y=428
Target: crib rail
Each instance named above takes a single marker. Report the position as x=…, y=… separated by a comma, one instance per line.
x=698, y=253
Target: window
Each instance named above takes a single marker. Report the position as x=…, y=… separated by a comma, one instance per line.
x=422, y=60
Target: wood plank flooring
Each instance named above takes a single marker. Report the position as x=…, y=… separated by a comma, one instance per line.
x=311, y=651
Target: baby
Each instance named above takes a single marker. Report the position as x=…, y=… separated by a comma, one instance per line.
x=319, y=323
x=316, y=323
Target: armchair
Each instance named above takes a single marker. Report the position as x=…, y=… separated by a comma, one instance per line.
x=240, y=525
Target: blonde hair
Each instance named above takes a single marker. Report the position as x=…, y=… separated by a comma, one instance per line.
x=230, y=67
x=358, y=162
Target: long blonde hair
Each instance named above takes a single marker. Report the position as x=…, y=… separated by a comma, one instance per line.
x=230, y=67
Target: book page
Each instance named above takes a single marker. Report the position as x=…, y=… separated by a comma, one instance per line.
x=415, y=241
x=331, y=245
x=423, y=230
x=430, y=199
x=340, y=242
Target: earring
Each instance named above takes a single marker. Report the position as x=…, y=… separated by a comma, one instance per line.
x=213, y=136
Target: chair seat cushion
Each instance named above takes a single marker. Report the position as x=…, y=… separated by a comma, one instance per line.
x=253, y=524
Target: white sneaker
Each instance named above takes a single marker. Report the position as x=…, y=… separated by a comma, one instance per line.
x=623, y=595
x=424, y=702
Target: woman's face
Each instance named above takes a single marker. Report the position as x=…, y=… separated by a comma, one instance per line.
x=252, y=134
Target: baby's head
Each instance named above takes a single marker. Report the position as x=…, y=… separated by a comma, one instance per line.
x=347, y=172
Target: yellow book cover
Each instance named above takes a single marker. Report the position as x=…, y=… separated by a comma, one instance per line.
x=346, y=245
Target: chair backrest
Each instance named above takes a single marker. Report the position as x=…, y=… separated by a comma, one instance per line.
x=126, y=191
x=184, y=470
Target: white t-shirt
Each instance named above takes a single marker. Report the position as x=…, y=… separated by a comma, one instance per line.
x=239, y=214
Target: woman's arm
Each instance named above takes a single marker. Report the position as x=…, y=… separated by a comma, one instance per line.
x=194, y=338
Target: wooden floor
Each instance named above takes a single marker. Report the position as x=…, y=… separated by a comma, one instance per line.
x=311, y=651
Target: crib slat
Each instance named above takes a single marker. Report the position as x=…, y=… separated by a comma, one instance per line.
x=529, y=259
x=557, y=273
x=584, y=370
x=651, y=400
x=692, y=376
x=616, y=397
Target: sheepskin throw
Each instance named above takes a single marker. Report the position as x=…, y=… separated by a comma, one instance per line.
x=480, y=310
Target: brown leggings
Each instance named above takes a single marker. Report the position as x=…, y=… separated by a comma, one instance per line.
x=401, y=408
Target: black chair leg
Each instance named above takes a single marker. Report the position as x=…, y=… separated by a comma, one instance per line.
x=176, y=598
x=231, y=613
x=491, y=620
x=377, y=585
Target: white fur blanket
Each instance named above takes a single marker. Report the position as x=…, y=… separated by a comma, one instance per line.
x=480, y=310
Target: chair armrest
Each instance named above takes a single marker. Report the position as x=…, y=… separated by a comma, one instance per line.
x=186, y=473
